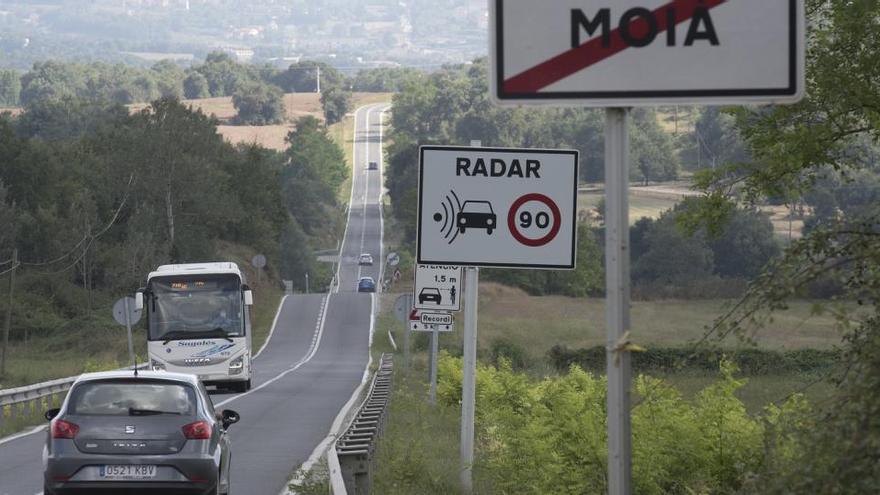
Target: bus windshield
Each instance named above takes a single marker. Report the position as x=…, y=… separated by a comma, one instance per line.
x=195, y=307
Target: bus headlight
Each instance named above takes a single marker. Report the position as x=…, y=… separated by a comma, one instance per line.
x=236, y=365
x=156, y=365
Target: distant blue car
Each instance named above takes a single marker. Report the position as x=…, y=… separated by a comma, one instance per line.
x=366, y=284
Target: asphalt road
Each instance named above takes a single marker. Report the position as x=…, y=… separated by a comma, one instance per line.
x=315, y=358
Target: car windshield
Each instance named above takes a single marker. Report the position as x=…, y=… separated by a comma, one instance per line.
x=132, y=398
x=477, y=207
x=430, y=291
x=195, y=307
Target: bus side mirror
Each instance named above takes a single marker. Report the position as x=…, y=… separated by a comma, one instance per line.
x=138, y=301
x=248, y=298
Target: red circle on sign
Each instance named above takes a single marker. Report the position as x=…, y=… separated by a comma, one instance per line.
x=554, y=230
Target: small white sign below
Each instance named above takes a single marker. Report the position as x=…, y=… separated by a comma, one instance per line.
x=436, y=318
x=437, y=287
x=417, y=325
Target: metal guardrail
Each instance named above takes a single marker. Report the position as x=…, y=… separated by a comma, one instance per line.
x=354, y=450
x=19, y=403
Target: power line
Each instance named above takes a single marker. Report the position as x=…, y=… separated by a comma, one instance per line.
x=9, y=269
x=88, y=236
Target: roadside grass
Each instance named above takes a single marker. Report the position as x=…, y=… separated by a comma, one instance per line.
x=418, y=450
x=538, y=323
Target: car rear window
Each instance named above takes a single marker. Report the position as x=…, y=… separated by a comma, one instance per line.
x=125, y=398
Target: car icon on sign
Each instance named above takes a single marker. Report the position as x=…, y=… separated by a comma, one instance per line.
x=476, y=215
x=429, y=294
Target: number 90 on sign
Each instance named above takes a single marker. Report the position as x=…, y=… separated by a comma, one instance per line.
x=534, y=220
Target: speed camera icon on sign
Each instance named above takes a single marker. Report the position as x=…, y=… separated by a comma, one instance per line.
x=497, y=207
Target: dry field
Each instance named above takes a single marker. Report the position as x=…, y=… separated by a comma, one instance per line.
x=270, y=136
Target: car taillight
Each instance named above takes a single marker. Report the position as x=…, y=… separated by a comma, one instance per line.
x=64, y=429
x=200, y=430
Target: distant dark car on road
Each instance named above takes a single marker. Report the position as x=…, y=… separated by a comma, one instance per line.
x=476, y=215
x=373, y=166
x=117, y=432
x=366, y=284
x=429, y=294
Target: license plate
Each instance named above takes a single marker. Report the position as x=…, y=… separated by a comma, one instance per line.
x=128, y=472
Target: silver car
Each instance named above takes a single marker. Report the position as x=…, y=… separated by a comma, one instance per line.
x=118, y=432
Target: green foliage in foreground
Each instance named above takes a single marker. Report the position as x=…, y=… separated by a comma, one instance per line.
x=549, y=436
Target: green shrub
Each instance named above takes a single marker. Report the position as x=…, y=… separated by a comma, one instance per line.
x=549, y=436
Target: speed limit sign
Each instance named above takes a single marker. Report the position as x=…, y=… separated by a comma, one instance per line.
x=501, y=207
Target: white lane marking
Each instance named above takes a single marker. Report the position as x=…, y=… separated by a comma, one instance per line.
x=350, y=197
x=313, y=349
x=365, y=196
x=322, y=447
x=272, y=329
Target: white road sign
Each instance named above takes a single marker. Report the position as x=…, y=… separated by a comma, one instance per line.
x=417, y=325
x=499, y=207
x=436, y=318
x=616, y=53
x=437, y=287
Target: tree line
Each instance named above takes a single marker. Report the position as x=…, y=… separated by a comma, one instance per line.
x=256, y=90
x=93, y=197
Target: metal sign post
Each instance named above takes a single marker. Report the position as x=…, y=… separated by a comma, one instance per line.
x=617, y=284
x=469, y=380
x=435, y=344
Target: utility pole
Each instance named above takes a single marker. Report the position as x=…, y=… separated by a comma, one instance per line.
x=469, y=372
x=435, y=344
x=8, y=322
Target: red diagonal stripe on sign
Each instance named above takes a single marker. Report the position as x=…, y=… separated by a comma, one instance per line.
x=592, y=52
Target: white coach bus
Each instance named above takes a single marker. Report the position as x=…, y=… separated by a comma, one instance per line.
x=198, y=322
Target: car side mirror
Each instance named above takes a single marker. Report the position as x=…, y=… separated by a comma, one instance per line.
x=138, y=301
x=51, y=413
x=248, y=298
x=229, y=417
